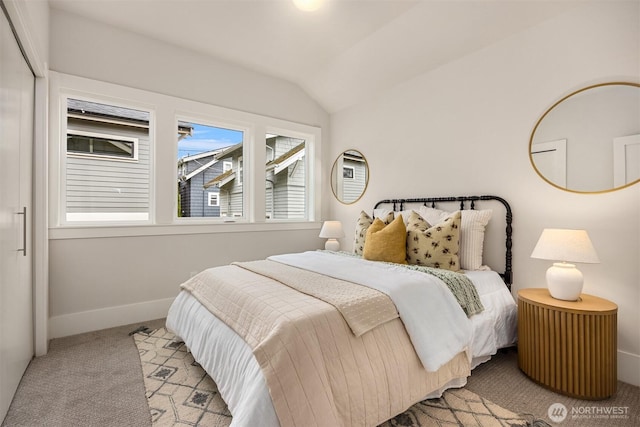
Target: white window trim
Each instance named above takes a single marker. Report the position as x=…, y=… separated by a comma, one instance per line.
x=164, y=111
x=353, y=172
x=134, y=158
x=217, y=199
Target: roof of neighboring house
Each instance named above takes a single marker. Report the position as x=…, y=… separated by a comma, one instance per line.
x=221, y=179
x=198, y=156
x=283, y=161
x=90, y=109
x=228, y=151
x=278, y=164
x=356, y=156
x=286, y=155
x=202, y=167
x=184, y=129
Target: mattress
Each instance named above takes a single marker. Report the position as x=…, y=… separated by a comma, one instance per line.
x=230, y=361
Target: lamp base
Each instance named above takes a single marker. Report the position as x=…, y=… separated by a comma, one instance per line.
x=332, y=245
x=564, y=281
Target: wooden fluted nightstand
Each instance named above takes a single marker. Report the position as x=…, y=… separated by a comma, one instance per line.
x=568, y=346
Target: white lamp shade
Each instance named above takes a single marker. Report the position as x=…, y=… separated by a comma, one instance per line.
x=564, y=280
x=332, y=230
x=565, y=245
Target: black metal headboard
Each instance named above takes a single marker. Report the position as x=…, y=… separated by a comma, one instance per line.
x=399, y=205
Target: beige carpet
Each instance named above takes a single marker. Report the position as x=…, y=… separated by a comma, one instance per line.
x=179, y=392
x=95, y=380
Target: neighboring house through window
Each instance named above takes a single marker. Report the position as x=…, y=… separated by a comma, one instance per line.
x=286, y=178
x=107, y=162
x=112, y=164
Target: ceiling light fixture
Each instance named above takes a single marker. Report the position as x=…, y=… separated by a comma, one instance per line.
x=308, y=5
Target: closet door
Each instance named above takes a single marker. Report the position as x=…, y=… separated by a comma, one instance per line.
x=16, y=145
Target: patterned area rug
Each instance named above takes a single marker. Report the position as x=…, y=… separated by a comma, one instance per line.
x=180, y=393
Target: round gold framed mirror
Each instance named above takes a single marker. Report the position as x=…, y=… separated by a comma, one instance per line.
x=589, y=141
x=349, y=176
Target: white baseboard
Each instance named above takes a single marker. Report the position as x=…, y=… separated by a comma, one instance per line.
x=109, y=317
x=629, y=368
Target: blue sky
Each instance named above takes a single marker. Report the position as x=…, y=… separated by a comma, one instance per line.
x=207, y=138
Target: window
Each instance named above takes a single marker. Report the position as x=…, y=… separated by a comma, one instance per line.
x=348, y=172
x=107, y=165
x=214, y=200
x=206, y=155
x=88, y=143
x=127, y=157
x=286, y=183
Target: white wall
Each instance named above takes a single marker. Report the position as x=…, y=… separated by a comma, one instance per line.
x=464, y=129
x=101, y=282
x=97, y=283
x=31, y=22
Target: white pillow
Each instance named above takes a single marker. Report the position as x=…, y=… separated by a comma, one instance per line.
x=471, y=233
x=382, y=213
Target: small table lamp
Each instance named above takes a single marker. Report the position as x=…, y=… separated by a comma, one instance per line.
x=332, y=230
x=564, y=280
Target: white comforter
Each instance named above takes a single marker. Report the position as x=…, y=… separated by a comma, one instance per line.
x=230, y=362
x=425, y=304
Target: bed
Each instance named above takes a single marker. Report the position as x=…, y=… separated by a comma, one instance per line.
x=329, y=339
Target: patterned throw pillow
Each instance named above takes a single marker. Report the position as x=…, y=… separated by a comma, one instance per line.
x=471, y=233
x=386, y=242
x=434, y=246
x=362, y=225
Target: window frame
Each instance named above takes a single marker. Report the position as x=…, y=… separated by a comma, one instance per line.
x=217, y=197
x=165, y=111
x=58, y=166
x=352, y=174
x=109, y=157
x=215, y=121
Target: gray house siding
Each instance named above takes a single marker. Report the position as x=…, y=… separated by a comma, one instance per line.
x=194, y=198
x=231, y=193
x=353, y=187
x=288, y=202
x=285, y=190
x=95, y=184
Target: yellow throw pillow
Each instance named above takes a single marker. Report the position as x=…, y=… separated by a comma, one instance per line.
x=436, y=246
x=386, y=242
x=362, y=225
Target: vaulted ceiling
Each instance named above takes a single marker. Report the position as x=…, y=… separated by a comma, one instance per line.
x=345, y=52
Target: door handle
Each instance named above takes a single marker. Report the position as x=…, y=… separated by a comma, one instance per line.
x=24, y=230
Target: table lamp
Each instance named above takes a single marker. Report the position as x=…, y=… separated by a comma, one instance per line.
x=564, y=280
x=332, y=230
